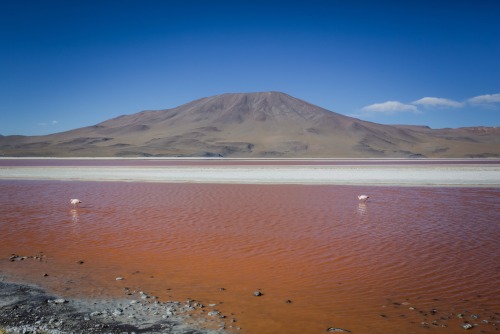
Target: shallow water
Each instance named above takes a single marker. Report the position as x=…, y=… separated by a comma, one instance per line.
x=341, y=263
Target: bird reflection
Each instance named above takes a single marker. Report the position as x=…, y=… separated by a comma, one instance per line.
x=362, y=209
x=74, y=215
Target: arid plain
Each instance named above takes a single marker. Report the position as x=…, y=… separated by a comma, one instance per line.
x=254, y=125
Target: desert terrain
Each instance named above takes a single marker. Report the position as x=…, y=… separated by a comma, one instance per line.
x=254, y=125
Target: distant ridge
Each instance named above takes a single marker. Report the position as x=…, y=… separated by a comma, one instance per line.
x=262, y=124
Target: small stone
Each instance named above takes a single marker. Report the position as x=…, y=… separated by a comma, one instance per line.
x=60, y=301
x=257, y=293
x=81, y=262
x=337, y=329
x=117, y=312
x=45, y=275
x=119, y=278
x=288, y=301
x=474, y=316
x=460, y=315
x=467, y=326
x=213, y=313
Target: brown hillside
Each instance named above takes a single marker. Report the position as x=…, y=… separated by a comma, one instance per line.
x=269, y=124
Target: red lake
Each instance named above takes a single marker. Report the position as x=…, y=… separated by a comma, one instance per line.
x=407, y=261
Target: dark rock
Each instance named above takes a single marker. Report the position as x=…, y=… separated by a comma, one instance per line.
x=257, y=293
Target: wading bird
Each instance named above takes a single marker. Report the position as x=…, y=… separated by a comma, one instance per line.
x=75, y=201
x=363, y=198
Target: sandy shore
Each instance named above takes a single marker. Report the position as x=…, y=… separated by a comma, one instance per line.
x=29, y=309
x=408, y=175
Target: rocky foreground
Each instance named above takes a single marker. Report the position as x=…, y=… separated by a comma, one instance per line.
x=29, y=309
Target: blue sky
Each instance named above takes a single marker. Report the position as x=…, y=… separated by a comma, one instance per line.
x=73, y=63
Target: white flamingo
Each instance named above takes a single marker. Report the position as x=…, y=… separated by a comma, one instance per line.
x=363, y=198
x=75, y=201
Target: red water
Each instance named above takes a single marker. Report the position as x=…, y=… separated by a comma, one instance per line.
x=342, y=263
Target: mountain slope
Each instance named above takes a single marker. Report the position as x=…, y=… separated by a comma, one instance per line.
x=269, y=124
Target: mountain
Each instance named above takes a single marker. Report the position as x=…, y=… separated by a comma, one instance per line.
x=267, y=124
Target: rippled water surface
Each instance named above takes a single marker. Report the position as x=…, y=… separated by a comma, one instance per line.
x=407, y=259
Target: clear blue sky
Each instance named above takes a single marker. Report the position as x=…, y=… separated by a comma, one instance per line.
x=73, y=63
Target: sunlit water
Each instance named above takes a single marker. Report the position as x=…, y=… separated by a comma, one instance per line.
x=375, y=267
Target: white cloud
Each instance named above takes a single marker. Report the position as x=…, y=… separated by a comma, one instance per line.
x=488, y=101
x=437, y=102
x=485, y=99
x=389, y=107
x=48, y=123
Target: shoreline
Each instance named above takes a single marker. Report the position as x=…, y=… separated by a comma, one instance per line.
x=365, y=175
x=250, y=159
x=26, y=308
